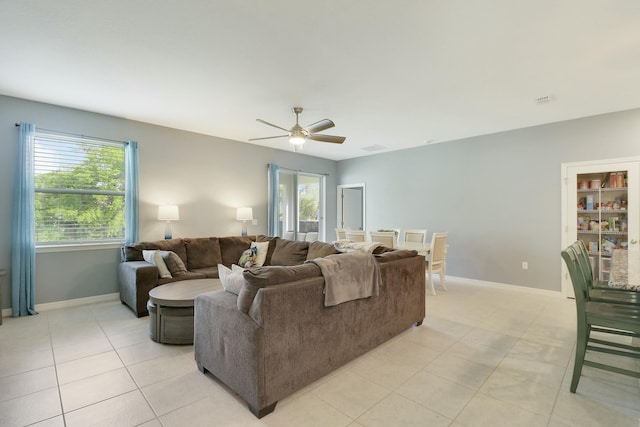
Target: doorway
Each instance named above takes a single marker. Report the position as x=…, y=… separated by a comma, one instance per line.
x=301, y=205
x=601, y=207
x=351, y=207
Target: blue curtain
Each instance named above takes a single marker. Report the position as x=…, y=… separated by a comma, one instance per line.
x=23, y=248
x=273, y=214
x=131, y=197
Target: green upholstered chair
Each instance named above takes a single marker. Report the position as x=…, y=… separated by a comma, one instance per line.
x=602, y=317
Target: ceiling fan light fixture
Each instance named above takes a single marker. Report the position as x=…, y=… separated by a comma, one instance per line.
x=296, y=140
x=297, y=137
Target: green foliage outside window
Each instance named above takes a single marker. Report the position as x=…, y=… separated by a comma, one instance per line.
x=308, y=198
x=79, y=192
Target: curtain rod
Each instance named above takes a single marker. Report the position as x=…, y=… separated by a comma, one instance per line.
x=78, y=135
x=300, y=170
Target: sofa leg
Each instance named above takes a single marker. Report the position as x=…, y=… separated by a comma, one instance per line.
x=201, y=368
x=264, y=411
x=419, y=323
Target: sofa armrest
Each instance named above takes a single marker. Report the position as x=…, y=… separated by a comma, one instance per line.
x=136, y=279
x=229, y=344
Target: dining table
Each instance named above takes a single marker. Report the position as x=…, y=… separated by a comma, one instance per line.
x=421, y=248
x=625, y=271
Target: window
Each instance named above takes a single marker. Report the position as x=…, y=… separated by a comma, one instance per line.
x=301, y=204
x=79, y=190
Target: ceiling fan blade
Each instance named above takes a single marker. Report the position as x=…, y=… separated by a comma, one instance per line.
x=268, y=137
x=320, y=126
x=327, y=138
x=271, y=124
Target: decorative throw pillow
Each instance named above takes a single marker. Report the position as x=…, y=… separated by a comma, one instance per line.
x=232, y=281
x=237, y=269
x=154, y=257
x=262, y=249
x=174, y=263
x=248, y=258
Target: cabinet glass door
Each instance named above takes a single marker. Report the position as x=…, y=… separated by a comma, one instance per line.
x=603, y=212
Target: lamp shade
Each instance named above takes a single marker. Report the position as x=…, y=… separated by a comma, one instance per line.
x=168, y=213
x=244, y=214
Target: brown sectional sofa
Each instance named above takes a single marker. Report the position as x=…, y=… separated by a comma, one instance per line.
x=287, y=338
x=201, y=256
x=277, y=336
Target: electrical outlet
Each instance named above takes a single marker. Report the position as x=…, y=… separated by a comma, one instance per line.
x=525, y=265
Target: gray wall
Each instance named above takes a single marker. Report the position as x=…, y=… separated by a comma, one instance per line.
x=497, y=195
x=207, y=177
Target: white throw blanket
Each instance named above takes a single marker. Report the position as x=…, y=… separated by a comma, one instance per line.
x=348, y=246
x=350, y=276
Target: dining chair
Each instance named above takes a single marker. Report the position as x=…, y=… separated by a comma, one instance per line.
x=341, y=233
x=602, y=293
x=584, y=255
x=355, y=235
x=415, y=235
x=311, y=236
x=601, y=317
x=436, y=261
x=386, y=238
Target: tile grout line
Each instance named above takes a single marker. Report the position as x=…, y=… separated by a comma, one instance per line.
x=55, y=368
x=144, y=396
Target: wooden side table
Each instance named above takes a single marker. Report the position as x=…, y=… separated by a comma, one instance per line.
x=171, y=309
x=3, y=273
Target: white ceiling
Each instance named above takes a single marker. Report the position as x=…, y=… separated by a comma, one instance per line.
x=395, y=74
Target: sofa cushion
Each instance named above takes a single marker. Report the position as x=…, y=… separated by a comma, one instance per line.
x=208, y=272
x=190, y=275
x=262, y=248
x=232, y=247
x=202, y=252
x=261, y=277
x=272, y=246
x=289, y=252
x=275, y=274
x=174, y=263
x=132, y=253
x=320, y=250
x=154, y=257
x=173, y=245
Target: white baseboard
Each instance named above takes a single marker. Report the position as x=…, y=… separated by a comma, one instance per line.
x=69, y=303
x=504, y=286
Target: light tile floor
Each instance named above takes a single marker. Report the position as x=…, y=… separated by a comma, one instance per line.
x=484, y=356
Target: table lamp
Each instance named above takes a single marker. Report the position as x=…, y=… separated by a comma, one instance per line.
x=244, y=215
x=168, y=213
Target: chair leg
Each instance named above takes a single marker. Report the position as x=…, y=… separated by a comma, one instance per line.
x=581, y=349
x=433, y=289
x=442, y=279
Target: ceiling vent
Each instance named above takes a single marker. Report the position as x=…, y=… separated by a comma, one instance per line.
x=374, y=148
x=544, y=99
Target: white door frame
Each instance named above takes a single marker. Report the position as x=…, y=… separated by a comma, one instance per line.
x=339, y=205
x=569, y=228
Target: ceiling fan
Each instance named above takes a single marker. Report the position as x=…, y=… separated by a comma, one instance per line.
x=298, y=135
